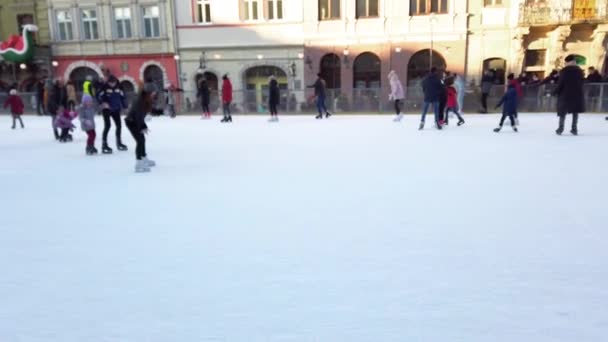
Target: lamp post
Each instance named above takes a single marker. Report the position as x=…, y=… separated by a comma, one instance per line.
x=202, y=62
x=432, y=19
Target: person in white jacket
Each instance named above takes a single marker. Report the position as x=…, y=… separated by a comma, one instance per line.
x=459, y=85
x=397, y=94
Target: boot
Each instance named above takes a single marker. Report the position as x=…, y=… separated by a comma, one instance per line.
x=225, y=119
x=320, y=116
x=69, y=138
x=560, y=129
x=90, y=150
x=327, y=115
x=574, y=130
x=438, y=125
x=515, y=129
x=141, y=167
x=460, y=122
x=398, y=118
x=105, y=149
x=120, y=146
x=421, y=127
x=497, y=129
x=148, y=162
x=94, y=150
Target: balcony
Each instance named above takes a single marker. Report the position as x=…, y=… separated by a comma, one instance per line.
x=549, y=13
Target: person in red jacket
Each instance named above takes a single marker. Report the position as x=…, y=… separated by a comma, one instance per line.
x=518, y=89
x=226, y=98
x=16, y=104
x=452, y=104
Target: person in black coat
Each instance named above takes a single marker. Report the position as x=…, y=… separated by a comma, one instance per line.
x=274, y=95
x=40, y=96
x=509, y=107
x=570, y=94
x=136, y=123
x=203, y=94
x=431, y=87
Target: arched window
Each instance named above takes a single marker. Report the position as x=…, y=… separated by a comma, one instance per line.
x=420, y=64
x=366, y=71
x=79, y=75
x=331, y=70
x=211, y=78
x=153, y=73
x=257, y=85
x=498, y=67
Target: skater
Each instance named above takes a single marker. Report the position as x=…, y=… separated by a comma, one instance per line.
x=443, y=98
x=53, y=102
x=509, y=103
x=113, y=101
x=460, y=87
x=520, y=93
x=397, y=94
x=226, y=98
x=64, y=122
x=16, y=107
x=170, y=100
x=452, y=104
x=71, y=95
x=274, y=95
x=570, y=94
x=320, y=93
x=87, y=123
x=487, y=81
x=40, y=97
x=203, y=94
x=136, y=124
x=431, y=87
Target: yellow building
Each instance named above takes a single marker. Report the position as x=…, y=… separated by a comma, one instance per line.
x=13, y=15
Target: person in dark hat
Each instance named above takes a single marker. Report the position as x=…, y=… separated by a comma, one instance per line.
x=570, y=94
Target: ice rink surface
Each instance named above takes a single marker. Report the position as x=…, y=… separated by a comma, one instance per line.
x=349, y=229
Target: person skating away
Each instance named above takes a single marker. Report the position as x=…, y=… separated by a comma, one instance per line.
x=509, y=107
x=570, y=94
x=16, y=107
x=320, y=94
x=136, y=124
x=520, y=92
x=274, y=95
x=452, y=105
x=113, y=101
x=431, y=87
x=64, y=123
x=204, y=95
x=226, y=98
x=487, y=81
x=397, y=94
x=86, y=115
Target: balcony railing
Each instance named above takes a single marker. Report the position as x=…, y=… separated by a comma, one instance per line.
x=549, y=13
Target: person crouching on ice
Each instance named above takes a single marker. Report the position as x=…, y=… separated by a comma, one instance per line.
x=87, y=123
x=136, y=124
x=16, y=105
x=509, y=109
x=64, y=122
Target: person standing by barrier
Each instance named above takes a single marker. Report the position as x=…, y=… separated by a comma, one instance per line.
x=431, y=87
x=226, y=98
x=203, y=95
x=274, y=96
x=397, y=93
x=570, y=94
x=487, y=81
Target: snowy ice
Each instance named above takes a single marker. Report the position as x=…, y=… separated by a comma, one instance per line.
x=349, y=229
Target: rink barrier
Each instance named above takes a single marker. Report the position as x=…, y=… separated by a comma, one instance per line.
x=536, y=98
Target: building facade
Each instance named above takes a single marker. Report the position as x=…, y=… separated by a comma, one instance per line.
x=130, y=39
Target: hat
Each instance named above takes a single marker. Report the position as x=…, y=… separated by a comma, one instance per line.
x=13, y=92
x=570, y=58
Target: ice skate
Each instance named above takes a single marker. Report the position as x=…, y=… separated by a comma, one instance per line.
x=438, y=125
x=318, y=117
x=515, y=129
x=460, y=122
x=327, y=115
x=90, y=150
x=421, y=127
x=559, y=131
x=225, y=119
x=141, y=167
x=497, y=129
x=13, y=127
x=69, y=138
x=574, y=132
x=398, y=118
x=121, y=147
x=105, y=149
x=229, y=119
x=148, y=162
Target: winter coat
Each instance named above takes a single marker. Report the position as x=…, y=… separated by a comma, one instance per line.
x=87, y=88
x=569, y=90
x=71, y=92
x=487, y=82
x=274, y=93
x=594, y=78
x=226, y=91
x=452, y=97
x=114, y=97
x=319, y=86
x=203, y=92
x=54, y=99
x=136, y=118
x=16, y=105
x=432, y=88
x=64, y=120
x=87, y=118
x=397, y=92
x=509, y=101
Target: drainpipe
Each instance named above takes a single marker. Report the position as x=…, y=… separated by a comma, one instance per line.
x=178, y=62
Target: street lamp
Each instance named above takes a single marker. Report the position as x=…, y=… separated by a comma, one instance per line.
x=55, y=64
x=176, y=57
x=346, y=53
x=22, y=66
x=260, y=57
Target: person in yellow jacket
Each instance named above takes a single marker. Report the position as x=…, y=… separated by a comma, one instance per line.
x=87, y=87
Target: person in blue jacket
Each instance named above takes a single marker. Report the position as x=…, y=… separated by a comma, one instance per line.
x=509, y=107
x=113, y=101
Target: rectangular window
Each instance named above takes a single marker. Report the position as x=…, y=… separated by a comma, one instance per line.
x=203, y=11
x=151, y=21
x=490, y=3
x=329, y=9
x=251, y=9
x=64, y=25
x=89, y=24
x=535, y=58
x=275, y=9
x=122, y=20
x=425, y=7
x=367, y=8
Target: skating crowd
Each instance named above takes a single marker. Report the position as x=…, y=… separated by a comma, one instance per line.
x=443, y=93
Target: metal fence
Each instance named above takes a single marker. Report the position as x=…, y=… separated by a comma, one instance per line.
x=537, y=98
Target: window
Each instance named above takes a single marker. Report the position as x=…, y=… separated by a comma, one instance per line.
x=492, y=2
x=251, y=9
x=275, y=9
x=64, y=25
x=367, y=8
x=424, y=7
x=24, y=19
x=203, y=11
x=329, y=9
x=89, y=24
x=535, y=58
x=122, y=17
x=151, y=16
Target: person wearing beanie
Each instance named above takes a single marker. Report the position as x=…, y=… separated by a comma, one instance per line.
x=320, y=93
x=397, y=93
x=274, y=96
x=570, y=94
x=113, y=101
x=16, y=107
x=226, y=98
x=136, y=123
x=87, y=123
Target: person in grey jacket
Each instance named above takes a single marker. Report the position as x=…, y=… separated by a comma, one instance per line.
x=487, y=81
x=87, y=122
